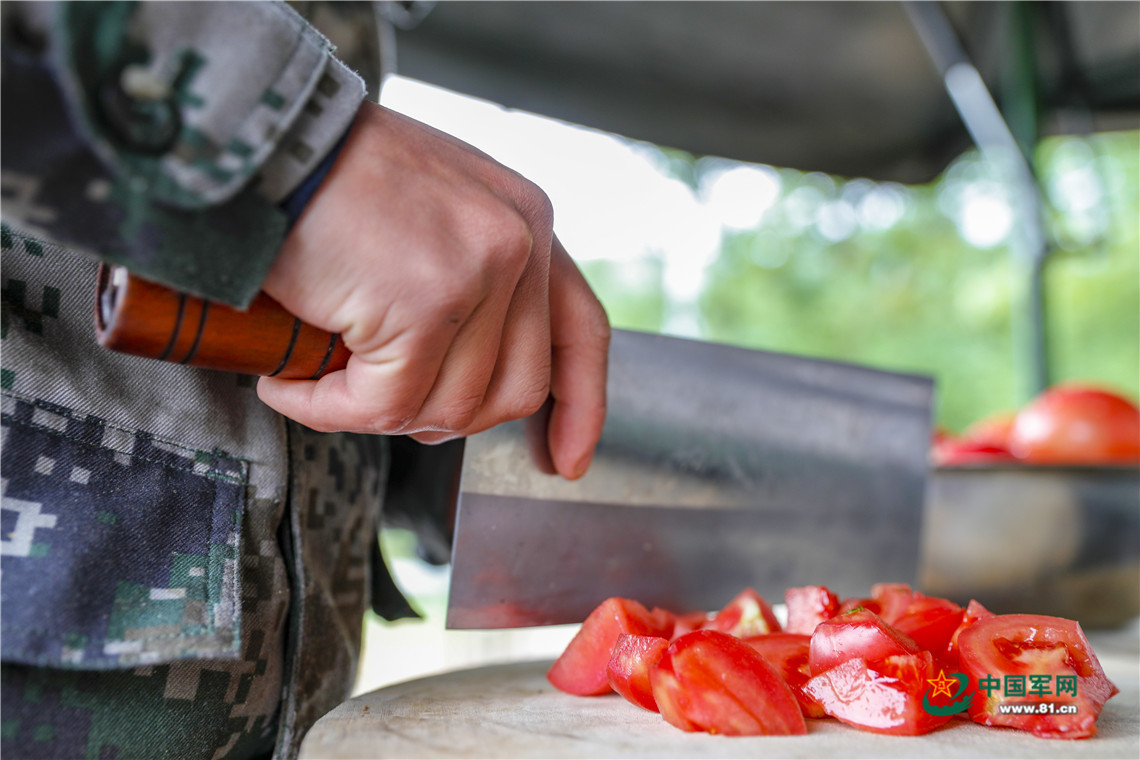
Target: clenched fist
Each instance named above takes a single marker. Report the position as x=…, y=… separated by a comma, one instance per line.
x=439, y=268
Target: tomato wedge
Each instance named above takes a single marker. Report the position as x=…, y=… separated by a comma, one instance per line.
x=930, y=621
x=628, y=669
x=808, y=606
x=859, y=603
x=893, y=599
x=690, y=621
x=663, y=620
x=854, y=634
x=788, y=654
x=974, y=612
x=884, y=696
x=711, y=681
x=581, y=669
x=1009, y=650
x=746, y=615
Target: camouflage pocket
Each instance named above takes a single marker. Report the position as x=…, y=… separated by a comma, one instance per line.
x=118, y=549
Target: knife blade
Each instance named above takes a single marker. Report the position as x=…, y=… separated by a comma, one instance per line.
x=718, y=468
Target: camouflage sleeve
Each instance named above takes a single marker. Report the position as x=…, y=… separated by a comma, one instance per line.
x=164, y=136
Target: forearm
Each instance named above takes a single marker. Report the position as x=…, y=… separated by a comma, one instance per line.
x=169, y=145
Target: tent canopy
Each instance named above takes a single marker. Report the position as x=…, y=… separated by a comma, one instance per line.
x=841, y=87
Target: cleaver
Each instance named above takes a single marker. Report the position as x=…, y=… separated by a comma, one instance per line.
x=719, y=468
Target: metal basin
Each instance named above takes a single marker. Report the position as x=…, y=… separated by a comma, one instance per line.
x=1061, y=541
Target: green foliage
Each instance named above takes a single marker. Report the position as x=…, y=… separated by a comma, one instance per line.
x=910, y=293
x=632, y=293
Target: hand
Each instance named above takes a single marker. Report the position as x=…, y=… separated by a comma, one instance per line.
x=440, y=270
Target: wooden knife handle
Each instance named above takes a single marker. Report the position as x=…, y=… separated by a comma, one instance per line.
x=139, y=317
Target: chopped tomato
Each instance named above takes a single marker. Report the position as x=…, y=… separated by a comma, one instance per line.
x=581, y=669
x=808, y=606
x=974, y=612
x=883, y=696
x=664, y=621
x=788, y=654
x=893, y=599
x=690, y=621
x=930, y=621
x=855, y=634
x=1004, y=649
x=857, y=603
x=628, y=669
x=1077, y=424
x=711, y=681
x=746, y=615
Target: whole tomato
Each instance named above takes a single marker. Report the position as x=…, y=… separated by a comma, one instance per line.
x=1077, y=424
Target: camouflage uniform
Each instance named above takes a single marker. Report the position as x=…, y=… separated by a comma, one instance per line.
x=184, y=571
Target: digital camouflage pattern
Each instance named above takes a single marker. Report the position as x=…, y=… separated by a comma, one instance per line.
x=146, y=585
x=162, y=598
x=336, y=488
x=151, y=526
x=184, y=572
x=162, y=135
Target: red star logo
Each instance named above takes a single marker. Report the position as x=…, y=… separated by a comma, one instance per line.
x=942, y=684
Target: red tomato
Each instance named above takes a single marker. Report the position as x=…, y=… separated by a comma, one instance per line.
x=930, y=621
x=628, y=669
x=808, y=606
x=893, y=599
x=746, y=615
x=956, y=452
x=974, y=612
x=788, y=654
x=855, y=603
x=712, y=681
x=883, y=696
x=581, y=669
x=855, y=634
x=690, y=621
x=992, y=430
x=1028, y=645
x=664, y=621
x=1075, y=424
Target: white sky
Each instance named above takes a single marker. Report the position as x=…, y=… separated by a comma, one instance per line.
x=613, y=202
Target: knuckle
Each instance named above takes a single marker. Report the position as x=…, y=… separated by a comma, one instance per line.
x=514, y=239
x=460, y=413
x=536, y=205
x=452, y=300
x=390, y=420
x=530, y=397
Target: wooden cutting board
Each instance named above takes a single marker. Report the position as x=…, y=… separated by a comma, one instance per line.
x=510, y=711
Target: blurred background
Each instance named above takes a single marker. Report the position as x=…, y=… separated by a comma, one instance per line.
x=949, y=189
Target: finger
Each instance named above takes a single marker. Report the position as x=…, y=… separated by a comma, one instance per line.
x=580, y=339
x=536, y=429
x=457, y=396
x=378, y=391
x=520, y=383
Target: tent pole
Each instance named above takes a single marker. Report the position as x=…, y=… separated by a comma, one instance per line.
x=992, y=133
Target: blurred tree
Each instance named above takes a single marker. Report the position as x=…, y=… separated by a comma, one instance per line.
x=919, y=279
